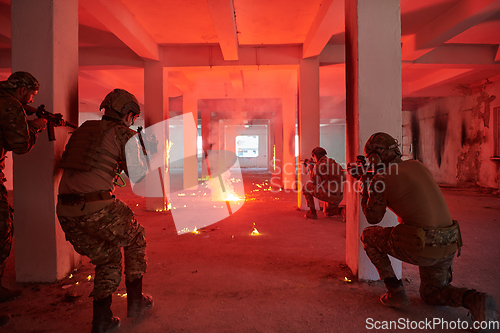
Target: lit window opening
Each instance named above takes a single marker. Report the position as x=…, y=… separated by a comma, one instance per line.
x=247, y=145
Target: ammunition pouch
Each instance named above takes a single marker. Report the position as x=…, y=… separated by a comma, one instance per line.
x=428, y=242
x=441, y=242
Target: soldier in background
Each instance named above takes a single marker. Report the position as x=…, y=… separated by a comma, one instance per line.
x=325, y=184
x=96, y=223
x=17, y=134
x=426, y=235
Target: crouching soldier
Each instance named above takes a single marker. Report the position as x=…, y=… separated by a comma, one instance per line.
x=426, y=235
x=96, y=223
x=325, y=184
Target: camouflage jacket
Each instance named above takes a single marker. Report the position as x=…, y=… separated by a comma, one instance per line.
x=15, y=132
x=328, y=176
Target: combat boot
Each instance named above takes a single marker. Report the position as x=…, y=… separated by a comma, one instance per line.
x=482, y=307
x=395, y=297
x=137, y=302
x=311, y=214
x=103, y=320
x=330, y=211
x=9, y=295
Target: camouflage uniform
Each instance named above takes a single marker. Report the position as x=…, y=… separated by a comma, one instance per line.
x=325, y=184
x=18, y=136
x=426, y=235
x=100, y=227
x=100, y=236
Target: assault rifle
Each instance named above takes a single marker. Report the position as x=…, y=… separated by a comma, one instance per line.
x=362, y=167
x=53, y=119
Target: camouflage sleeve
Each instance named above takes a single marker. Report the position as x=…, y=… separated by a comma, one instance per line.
x=315, y=173
x=374, y=200
x=19, y=137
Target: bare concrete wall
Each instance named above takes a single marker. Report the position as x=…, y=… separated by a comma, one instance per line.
x=453, y=136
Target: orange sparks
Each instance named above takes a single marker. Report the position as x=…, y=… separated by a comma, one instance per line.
x=255, y=232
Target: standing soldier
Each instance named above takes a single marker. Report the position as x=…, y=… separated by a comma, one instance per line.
x=325, y=184
x=97, y=224
x=426, y=236
x=17, y=135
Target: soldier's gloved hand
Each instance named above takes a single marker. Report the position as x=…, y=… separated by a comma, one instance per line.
x=38, y=124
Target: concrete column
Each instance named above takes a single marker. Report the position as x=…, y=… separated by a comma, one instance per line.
x=190, y=135
x=156, y=110
x=308, y=129
x=44, y=43
x=205, y=137
x=373, y=83
x=276, y=152
x=289, y=105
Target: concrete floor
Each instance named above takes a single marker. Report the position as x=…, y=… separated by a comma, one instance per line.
x=291, y=278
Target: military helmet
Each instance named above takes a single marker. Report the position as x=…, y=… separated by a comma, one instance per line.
x=21, y=79
x=318, y=152
x=383, y=144
x=121, y=101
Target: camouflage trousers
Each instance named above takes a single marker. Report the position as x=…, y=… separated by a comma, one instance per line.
x=6, y=228
x=435, y=274
x=101, y=236
x=331, y=200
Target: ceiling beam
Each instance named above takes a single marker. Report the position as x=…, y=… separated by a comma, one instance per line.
x=328, y=21
x=223, y=17
x=123, y=24
x=181, y=81
x=462, y=16
x=439, y=77
x=476, y=54
x=236, y=77
x=189, y=56
x=332, y=54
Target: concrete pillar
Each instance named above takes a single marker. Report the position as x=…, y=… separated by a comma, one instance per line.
x=308, y=129
x=289, y=107
x=277, y=150
x=156, y=110
x=373, y=83
x=190, y=135
x=44, y=43
x=210, y=135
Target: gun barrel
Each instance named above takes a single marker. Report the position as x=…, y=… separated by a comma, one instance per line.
x=67, y=123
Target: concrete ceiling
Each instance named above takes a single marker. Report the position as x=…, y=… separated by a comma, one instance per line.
x=249, y=48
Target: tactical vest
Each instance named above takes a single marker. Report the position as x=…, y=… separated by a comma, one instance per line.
x=84, y=150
